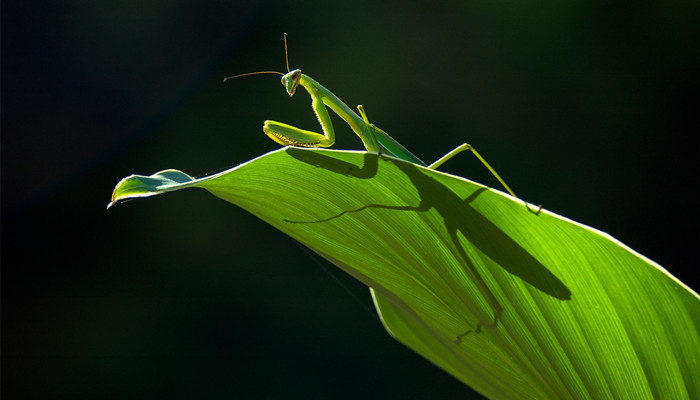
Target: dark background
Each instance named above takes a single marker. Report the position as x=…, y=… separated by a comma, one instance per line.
x=587, y=107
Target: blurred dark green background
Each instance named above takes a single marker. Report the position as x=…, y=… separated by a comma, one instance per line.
x=587, y=107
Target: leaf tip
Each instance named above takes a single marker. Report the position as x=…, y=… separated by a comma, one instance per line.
x=134, y=186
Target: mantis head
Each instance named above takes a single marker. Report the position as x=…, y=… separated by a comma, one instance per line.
x=291, y=80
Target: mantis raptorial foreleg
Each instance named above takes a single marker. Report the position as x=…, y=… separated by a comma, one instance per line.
x=288, y=135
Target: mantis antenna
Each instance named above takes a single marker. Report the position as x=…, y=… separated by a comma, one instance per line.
x=286, y=54
x=286, y=59
x=253, y=73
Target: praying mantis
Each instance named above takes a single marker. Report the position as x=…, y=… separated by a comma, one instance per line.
x=374, y=139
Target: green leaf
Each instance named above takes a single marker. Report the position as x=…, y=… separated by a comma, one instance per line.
x=513, y=303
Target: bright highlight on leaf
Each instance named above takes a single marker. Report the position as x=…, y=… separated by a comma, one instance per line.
x=514, y=304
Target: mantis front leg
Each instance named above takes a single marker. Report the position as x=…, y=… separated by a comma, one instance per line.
x=288, y=135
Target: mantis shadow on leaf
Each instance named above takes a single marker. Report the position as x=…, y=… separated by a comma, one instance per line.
x=367, y=171
x=460, y=218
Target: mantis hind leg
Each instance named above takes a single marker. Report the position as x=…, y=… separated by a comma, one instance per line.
x=467, y=146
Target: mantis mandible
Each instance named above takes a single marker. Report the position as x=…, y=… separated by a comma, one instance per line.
x=374, y=139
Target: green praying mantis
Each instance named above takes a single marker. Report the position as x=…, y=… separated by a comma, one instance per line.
x=374, y=139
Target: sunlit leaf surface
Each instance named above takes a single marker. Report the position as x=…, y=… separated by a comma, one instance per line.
x=513, y=303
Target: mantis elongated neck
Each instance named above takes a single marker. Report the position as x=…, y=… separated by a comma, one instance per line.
x=388, y=144
x=332, y=101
